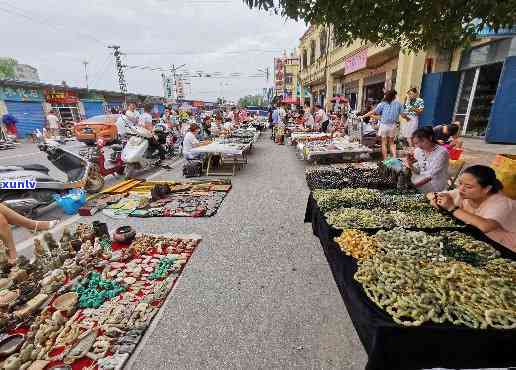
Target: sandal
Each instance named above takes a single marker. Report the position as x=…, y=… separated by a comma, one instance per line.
x=51, y=225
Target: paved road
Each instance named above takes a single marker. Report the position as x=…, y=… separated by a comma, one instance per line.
x=258, y=292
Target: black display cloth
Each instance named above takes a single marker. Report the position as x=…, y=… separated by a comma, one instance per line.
x=392, y=346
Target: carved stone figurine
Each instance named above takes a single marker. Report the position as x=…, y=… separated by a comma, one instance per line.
x=39, y=249
x=51, y=243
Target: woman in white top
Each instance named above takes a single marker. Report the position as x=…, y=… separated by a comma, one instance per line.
x=308, y=118
x=429, y=163
x=145, y=119
x=190, y=142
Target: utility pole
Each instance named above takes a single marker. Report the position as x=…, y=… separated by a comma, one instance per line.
x=120, y=69
x=173, y=70
x=86, y=73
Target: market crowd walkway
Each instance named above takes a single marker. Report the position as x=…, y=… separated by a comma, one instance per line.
x=258, y=292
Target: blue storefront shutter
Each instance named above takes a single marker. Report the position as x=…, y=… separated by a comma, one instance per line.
x=159, y=108
x=30, y=116
x=502, y=125
x=439, y=91
x=92, y=109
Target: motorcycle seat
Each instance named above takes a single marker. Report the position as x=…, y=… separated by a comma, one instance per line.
x=116, y=147
x=35, y=167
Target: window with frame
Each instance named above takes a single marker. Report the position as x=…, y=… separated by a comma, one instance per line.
x=323, y=42
x=305, y=58
x=312, y=51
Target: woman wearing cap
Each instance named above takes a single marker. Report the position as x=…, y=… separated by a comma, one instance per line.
x=479, y=202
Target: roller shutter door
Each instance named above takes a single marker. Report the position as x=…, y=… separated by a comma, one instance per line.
x=92, y=109
x=30, y=116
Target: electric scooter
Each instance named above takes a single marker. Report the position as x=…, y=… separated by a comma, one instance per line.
x=79, y=172
x=95, y=155
x=144, y=151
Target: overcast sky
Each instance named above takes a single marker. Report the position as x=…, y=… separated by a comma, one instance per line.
x=223, y=36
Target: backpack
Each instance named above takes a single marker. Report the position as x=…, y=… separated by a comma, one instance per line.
x=192, y=169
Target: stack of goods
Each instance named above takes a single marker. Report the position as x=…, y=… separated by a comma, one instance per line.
x=338, y=146
x=450, y=277
x=361, y=208
x=366, y=175
x=85, y=302
x=165, y=199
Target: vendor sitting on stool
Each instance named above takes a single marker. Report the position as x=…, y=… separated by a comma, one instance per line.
x=190, y=142
x=429, y=163
x=479, y=202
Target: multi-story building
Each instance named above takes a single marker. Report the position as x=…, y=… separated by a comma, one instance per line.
x=286, y=73
x=465, y=85
x=25, y=72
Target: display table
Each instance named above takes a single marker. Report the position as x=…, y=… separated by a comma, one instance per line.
x=392, y=346
x=233, y=154
x=338, y=149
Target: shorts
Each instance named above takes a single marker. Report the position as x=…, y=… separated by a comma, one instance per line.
x=387, y=130
x=408, y=128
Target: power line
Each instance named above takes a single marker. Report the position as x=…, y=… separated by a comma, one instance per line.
x=249, y=51
x=102, y=73
x=24, y=13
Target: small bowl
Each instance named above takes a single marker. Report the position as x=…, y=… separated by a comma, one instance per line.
x=124, y=234
x=66, y=302
x=11, y=344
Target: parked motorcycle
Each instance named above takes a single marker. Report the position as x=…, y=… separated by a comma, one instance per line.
x=80, y=174
x=144, y=151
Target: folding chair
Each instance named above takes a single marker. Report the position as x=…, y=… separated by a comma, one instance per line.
x=454, y=170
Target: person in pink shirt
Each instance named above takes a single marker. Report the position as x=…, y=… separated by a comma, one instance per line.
x=242, y=115
x=479, y=202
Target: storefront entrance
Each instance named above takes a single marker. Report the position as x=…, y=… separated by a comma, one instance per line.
x=373, y=94
x=67, y=112
x=476, y=95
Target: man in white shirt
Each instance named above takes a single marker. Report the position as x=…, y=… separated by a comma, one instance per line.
x=53, y=123
x=122, y=125
x=190, y=142
x=145, y=119
x=132, y=114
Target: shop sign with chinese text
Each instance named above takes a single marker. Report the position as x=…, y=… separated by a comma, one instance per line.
x=355, y=62
x=61, y=97
x=20, y=94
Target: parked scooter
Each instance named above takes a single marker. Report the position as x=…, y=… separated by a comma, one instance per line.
x=144, y=151
x=95, y=155
x=80, y=175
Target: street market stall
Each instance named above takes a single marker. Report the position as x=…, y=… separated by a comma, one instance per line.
x=137, y=198
x=439, y=295
x=338, y=149
x=233, y=154
x=86, y=301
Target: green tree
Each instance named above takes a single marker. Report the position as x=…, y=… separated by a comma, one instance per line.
x=8, y=68
x=413, y=25
x=250, y=100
